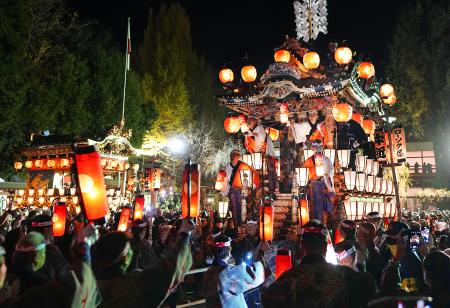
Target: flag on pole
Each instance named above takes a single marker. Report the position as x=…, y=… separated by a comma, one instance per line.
x=128, y=46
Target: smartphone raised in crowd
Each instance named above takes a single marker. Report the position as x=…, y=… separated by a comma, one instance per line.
x=425, y=234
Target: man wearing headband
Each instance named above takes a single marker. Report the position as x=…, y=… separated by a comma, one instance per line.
x=224, y=284
x=56, y=265
x=112, y=257
x=234, y=185
x=376, y=219
x=321, y=172
x=28, y=258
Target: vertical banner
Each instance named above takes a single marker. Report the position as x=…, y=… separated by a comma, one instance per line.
x=399, y=144
x=380, y=145
x=148, y=181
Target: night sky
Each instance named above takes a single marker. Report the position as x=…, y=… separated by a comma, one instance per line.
x=224, y=31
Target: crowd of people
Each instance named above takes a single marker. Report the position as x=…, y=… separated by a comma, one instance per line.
x=379, y=262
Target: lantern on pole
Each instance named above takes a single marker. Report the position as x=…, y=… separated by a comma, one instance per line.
x=266, y=216
x=303, y=212
x=190, y=198
x=283, y=262
x=223, y=208
x=59, y=219
x=124, y=219
x=344, y=158
x=91, y=183
x=139, y=202
x=220, y=180
x=302, y=175
x=350, y=179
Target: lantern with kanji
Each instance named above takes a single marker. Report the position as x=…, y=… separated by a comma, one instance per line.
x=342, y=112
x=369, y=126
x=283, y=262
x=343, y=55
x=232, y=124
x=282, y=55
x=59, y=219
x=311, y=60
x=366, y=70
x=220, y=180
x=91, y=183
x=156, y=179
x=303, y=212
x=266, y=216
x=190, y=197
x=139, y=207
x=248, y=73
x=124, y=219
x=226, y=76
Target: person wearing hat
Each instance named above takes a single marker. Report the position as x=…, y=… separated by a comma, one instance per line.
x=224, y=284
x=320, y=174
x=234, y=184
x=56, y=266
x=112, y=255
x=403, y=260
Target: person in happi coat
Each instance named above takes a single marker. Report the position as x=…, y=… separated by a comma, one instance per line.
x=234, y=184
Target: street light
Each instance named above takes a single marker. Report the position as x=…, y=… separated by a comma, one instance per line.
x=176, y=145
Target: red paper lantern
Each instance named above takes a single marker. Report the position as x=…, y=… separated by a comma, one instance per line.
x=220, y=180
x=386, y=90
x=91, y=183
x=368, y=126
x=266, y=216
x=59, y=219
x=38, y=163
x=226, y=76
x=303, y=212
x=390, y=100
x=124, y=219
x=248, y=73
x=357, y=117
x=342, y=112
x=283, y=262
x=190, y=209
x=366, y=70
x=64, y=163
x=343, y=55
x=282, y=55
x=311, y=60
x=232, y=124
x=139, y=207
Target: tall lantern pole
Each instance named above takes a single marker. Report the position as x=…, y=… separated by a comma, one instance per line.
x=394, y=175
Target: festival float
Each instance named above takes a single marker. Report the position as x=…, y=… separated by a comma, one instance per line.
x=303, y=97
x=49, y=162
